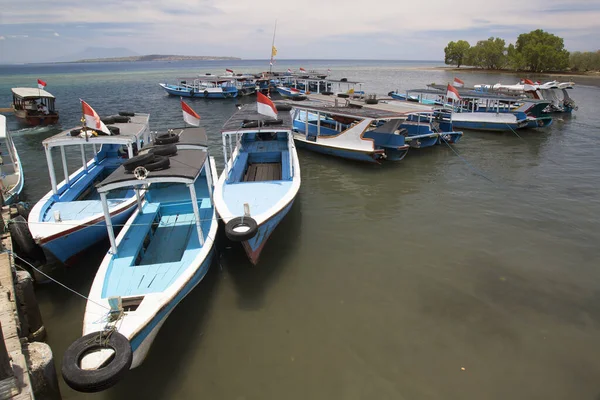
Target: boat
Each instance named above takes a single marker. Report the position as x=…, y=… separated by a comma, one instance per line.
x=68, y=219
x=261, y=177
x=207, y=87
x=162, y=252
x=291, y=93
x=370, y=137
x=34, y=106
x=11, y=172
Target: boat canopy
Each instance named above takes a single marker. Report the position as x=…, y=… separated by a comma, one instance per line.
x=235, y=124
x=2, y=126
x=353, y=112
x=473, y=94
x=130, y=132
x=29, y=93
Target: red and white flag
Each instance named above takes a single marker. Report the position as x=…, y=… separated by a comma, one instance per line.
x=92, y=119
x=528, y=82
x=302, y=69
x=528, y=85
x=289, y=71
x=452, y=93
x=189, y=115
x=41, y=84
x=229, y=70
x=458, y=83
x=265, y=106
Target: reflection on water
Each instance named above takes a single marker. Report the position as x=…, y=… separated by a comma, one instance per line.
x=383, y=281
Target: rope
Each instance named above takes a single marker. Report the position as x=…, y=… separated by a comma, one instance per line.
x=477, y=171
x=52, y=279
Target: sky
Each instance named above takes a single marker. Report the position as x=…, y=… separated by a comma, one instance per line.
x=39, y=31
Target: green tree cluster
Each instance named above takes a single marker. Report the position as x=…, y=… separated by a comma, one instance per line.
x=586, y=61
x=536, y=51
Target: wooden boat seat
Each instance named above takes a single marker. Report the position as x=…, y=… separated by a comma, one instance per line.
x=263, y=172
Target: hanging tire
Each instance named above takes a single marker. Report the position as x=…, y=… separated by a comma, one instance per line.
x=126, y=114
x=23, y=210
x=29, y=249
x=206, y=93
x=192, y=93
x=138, y=161
x=96, y=380
x=240, y=229
x=160, y=162
x=114, y=130
x=167, y=138
x=283, y=107
x=164, y=150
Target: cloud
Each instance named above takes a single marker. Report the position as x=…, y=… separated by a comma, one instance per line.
x=340, y=28
x=56, y=34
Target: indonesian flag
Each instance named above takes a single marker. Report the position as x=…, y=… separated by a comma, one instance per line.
x=458, y=83
x=265, y=106
x=189, y=115
x=229, y=70
x=41, y=84
x=528, y=85
x=528, y=82
x=92, y=119
x=302, y=69
x=452, y=93
x=328, y=70
x=289, y=71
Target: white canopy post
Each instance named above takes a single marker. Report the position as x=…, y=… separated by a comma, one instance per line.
x=225, y=152
x=306, y=122
x=196, y=213
x=138, y=197
x=64, y=164
x=109, y=226
x=208, y=172
x=290, y=146
x=318, y=123
x=95, y=149
x=129, y=150
x=83, y=161
x=51, y=169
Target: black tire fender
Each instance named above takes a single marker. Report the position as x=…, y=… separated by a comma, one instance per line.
x=240, y=229
x=120, y=119
x=126, y=114
x=283, y=107
x=108, y=120
x=19, y=232
x=114, y=130
x=206, y=93
x=166, y=138
x=90, y=381
x=138, y=161
x=23, y=210
x=164, y=150
x=160, y=162
x=343, y=95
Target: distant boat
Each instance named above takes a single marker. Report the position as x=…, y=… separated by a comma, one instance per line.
x=11, y=173
x=261, y=177
x=209, y=87
x=68, y=219
x=34, y=106
x=162, y=252
x=291, y=93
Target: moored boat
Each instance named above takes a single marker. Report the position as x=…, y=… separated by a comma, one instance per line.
x=291, y=93
x=208, y=87
x=162, y=252
x=34, y=106
x=11, y=173
x=68, y=219
x=261, y=177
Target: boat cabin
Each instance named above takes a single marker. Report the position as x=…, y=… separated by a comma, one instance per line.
x=34, y=106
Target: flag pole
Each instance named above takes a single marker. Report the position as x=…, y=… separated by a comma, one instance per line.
x=83, y=124
x=272, y=45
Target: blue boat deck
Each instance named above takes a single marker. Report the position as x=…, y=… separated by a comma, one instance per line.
x=161, y=243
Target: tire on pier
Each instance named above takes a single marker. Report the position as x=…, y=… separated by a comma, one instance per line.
x=138, y=161
x=240, y=229
x=164, y=150
x=96, y=380
x=25, y=245
x=166, y=138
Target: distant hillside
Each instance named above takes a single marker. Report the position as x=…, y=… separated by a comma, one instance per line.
x=97, y=52
x=155, y=57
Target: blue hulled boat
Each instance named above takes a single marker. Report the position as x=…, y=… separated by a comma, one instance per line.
x=291, y=93
x=261, y=177
x=162, y=252
x=68, y=219
x=209, y=87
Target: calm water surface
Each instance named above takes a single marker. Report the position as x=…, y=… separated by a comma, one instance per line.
x=383, y=281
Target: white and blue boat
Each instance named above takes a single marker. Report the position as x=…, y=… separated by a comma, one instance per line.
x=261, y=177
x=68, y=219
x=426, y=129
x=11, y=173
x=208, y=87
x=291, y=93
x=162, y=252
x=361, y=134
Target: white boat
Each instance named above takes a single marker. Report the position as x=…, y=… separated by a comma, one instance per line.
x=261, y=177
x=68, y=219
x=11, y=173
x=162, y=252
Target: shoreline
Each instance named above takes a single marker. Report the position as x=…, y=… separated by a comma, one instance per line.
x=469, y=70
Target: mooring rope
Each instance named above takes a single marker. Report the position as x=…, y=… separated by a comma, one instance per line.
x=477, y=171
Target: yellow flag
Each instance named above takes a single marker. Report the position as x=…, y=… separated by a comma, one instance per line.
x=274, y=51
x=351, y=91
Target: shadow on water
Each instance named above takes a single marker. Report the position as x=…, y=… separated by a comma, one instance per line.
x=175, y=347
x=251, y=282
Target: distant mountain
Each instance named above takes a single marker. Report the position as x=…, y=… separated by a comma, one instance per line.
x=153, y=57
x=97, y=52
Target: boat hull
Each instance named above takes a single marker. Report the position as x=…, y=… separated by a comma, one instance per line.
x=338, y=152
x=36, y=120
x=66, y=245
x=486, y=126
x=254, y=246
x=205, y=94
x=142, y=341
